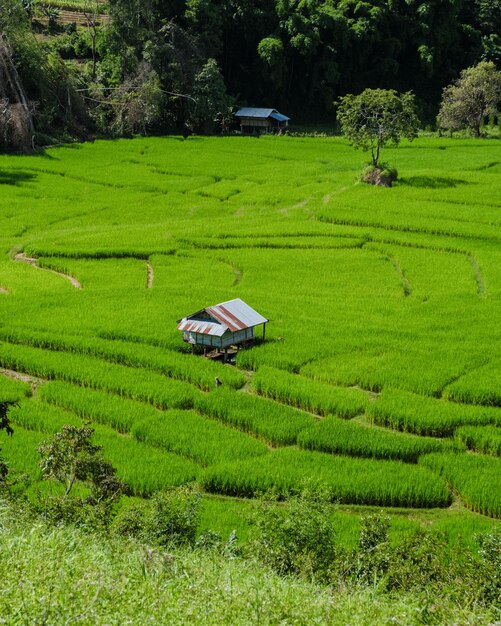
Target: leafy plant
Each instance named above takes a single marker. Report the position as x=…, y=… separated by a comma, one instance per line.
x=376, y=118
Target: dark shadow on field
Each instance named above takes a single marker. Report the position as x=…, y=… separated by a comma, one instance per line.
x=432, y=182
x=16, y=178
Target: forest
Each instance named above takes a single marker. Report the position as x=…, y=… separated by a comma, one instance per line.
x=129, y=67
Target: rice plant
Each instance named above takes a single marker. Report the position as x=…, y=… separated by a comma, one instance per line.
x=339, y=436
x=485, y=439
x=197, y=371
x=203, y=440
x=310, y=395
x=347, y=480
x=481, y=386
x=12, y=390
x=144, y=468
x=412, y=413
x=97, y=406
x=474, y=477
x=87, y=371
x=277, y=423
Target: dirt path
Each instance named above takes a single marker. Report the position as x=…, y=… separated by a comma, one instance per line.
x=24, y=378
x=150, y=275
x=22, y=258
x=4, y=292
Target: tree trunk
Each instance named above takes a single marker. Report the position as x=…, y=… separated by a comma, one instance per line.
x=12, y=77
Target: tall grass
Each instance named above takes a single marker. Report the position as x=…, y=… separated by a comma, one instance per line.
x=486, y=439
x=197, y=371
x=12, y=390
x=476, y=478
x=307, y=394
x=339, y=436
x=352, y=481
x=482, y=386
x=87, y=371
x=410, y=412
x=277, y=423
x=198, y=438
x=144, y=468
x=97, y=406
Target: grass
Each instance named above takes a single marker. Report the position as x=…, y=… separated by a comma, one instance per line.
x=277, y=423
x=396, y=292
x=486, y=439
x=307, y=394
x=350, y=438
x=346, y=480
x=412, y=413
x=474, y=477
x=110, y=580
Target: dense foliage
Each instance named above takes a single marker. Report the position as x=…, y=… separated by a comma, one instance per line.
x=180, y=66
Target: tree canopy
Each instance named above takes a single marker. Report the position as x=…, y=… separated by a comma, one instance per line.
x=133, y=73
x=471, y=98
x=376, y=118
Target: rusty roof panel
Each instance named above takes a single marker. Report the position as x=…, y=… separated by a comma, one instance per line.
x=205, y=328
x=233, y=315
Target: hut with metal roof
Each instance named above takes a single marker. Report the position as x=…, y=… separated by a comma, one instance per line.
x=223, y=325
x=255, y=120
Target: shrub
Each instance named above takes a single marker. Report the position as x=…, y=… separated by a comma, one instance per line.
x=297, y=537
x=173, y=518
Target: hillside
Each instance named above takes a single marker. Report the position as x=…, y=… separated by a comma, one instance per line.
x=378, y=382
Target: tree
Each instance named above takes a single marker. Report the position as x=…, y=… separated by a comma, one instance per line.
x=211, y=99
x=376, y=118
x=92, y=11
x=70, y=455
x=474, y=96
x=5, y=425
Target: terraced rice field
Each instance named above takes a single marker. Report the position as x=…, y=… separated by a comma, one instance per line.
x=380, y=376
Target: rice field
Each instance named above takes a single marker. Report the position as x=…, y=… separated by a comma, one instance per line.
x=381, y=361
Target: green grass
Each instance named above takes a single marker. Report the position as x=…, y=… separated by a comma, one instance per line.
x=12, y=390
x=196, y=437
x=412, y=413
x=474, y=477
x=394, y=291
x=102, y=580
x=486, y=439
x=87, y=371
x=338, y=436
x=346, y=480
x=309, y=395
x=277, y=423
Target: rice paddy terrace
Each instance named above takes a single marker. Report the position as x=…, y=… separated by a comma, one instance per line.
x=380, y=378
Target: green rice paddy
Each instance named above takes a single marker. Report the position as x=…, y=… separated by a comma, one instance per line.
x=379, y=379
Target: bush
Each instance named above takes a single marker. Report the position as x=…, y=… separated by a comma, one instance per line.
x=173, y=518
x=296, y=537
x=373, y=555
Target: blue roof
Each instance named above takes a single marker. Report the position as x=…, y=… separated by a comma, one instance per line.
x=279, y=117
x=261, y=113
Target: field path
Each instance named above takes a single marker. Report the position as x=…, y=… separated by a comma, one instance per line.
x=150, y=275
x=22, y=258
x=24, y=378
x=478, y=276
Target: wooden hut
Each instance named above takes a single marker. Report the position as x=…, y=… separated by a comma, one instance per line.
x=253, y=120
x=223, y=325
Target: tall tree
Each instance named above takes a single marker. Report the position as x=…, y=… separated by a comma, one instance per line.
x=470, y=99
x=376, y=118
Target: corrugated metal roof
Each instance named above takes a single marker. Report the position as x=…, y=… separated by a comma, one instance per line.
x=254, y=112
x=232, y=315
x=279, y=117
x=205, y=328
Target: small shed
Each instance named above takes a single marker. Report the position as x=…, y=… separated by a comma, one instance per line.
x=222, y=325
x=254, y=120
